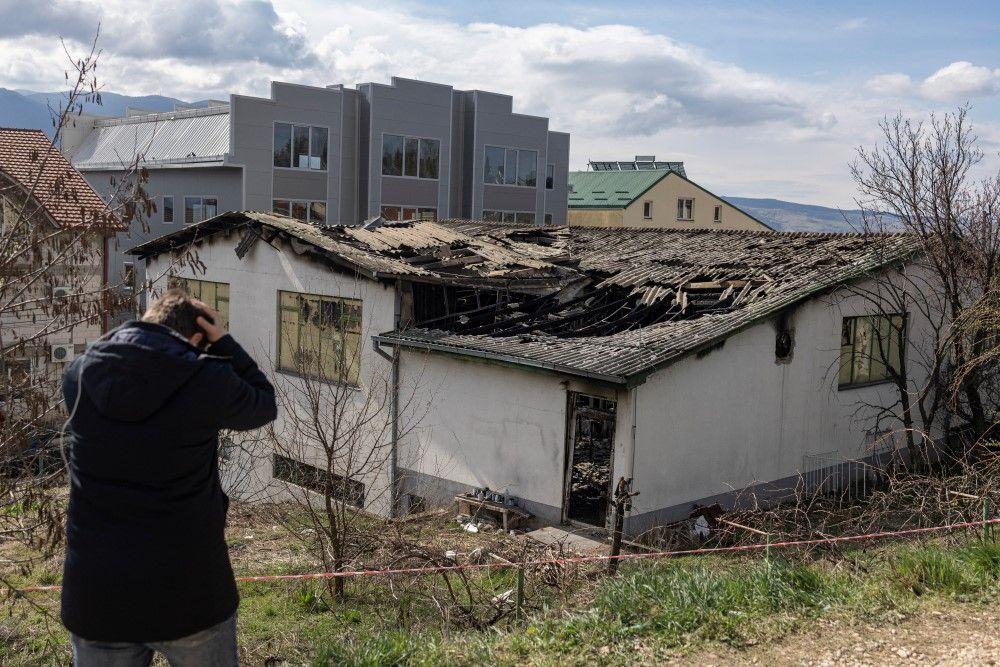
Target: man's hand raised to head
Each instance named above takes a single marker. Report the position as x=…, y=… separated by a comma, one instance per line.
x=213, y=330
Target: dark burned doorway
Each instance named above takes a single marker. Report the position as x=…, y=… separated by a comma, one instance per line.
x=591, y=446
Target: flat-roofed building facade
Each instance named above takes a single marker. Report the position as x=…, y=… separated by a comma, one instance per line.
x=331, y=155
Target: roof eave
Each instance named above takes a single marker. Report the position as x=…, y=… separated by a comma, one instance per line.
x=559, y=369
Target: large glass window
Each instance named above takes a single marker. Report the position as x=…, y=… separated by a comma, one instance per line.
x=281, y=207
x=430, y=151
x=871, y=349
x=197, y=209
x=396, y=213
x=392, y=155
x=282, y=145
x=510, y=166
x=320, y=336
x=493, y=165
x=318, y=145
x=519, y=217
x=527, y=168
x=301, y=146
x=305, y=211
x=415, y=157
x=317, y=212
x=411, y=150
x=214, y=295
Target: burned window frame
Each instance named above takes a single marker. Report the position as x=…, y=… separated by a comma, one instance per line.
x=312, y=478
x=344, y=336
x=195, y=287
x=895, y=336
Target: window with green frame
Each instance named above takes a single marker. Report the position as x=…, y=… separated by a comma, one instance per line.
x=871, y=349
x=214, y=295
x=319, y=336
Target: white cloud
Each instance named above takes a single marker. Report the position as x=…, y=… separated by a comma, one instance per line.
x=961, y=80
x=958, y=81
x=890, y=84
x=618, y=89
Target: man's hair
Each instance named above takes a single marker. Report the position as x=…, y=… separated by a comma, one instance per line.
x=176, y=310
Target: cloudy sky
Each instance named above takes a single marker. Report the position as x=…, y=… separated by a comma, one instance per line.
x=761, y=99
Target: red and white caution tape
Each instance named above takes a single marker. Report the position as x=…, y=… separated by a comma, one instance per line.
x=592, y=559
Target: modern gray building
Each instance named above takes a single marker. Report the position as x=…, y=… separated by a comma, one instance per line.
x=334, y=155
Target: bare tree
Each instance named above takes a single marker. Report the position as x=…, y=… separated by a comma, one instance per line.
x=336, y=437
x=919, y=179
x=52, y=290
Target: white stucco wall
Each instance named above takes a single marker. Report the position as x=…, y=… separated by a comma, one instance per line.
x=704, y=426
x=254, y=282
x=736, y=417
x=486, y=425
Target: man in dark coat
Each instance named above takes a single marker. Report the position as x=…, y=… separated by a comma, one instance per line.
x=147, y=568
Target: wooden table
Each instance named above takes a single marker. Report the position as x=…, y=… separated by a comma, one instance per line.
x=507, y=516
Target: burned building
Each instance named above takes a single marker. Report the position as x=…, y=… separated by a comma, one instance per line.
x=558, y=360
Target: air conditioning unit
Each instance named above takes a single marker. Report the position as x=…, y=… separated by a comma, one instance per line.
x=61, y=292
x=63, y=353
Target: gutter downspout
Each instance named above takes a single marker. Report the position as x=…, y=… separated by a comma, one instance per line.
x=635, y=425
x=393, y=406
x=393, y=359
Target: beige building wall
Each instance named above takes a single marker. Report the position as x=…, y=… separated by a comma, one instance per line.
x=664, y=196
x=592, y=217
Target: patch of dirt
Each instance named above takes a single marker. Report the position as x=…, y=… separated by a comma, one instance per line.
x=946, y=635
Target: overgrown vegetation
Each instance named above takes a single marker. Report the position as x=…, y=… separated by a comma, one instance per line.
x=650, y=610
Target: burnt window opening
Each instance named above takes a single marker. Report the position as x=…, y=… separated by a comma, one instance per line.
x=784, y=339
x=318, y=480
x=604, y=310
x=591, y=448
x=451, y=307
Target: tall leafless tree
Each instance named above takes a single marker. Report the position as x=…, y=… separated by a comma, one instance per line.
x=335, y=443
x=37, y=255
x=920, y=179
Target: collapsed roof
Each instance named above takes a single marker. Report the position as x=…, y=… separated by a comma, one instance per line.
x=611, y=304
x=421, y=251
x=649, y=297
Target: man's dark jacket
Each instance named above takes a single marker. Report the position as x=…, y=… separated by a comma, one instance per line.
x=146, y=557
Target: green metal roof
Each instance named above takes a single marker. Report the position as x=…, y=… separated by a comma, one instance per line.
x=610, y=189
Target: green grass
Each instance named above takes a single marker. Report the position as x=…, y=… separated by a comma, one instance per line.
x=650, y=610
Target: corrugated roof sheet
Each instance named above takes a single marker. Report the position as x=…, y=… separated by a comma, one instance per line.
x=712, y=283
x=610, y=189
x=180, y=137
x=28, y=157
x=417, y=250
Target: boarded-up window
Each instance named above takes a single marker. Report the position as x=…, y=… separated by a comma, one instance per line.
x=871, y=349
x=214, y=295
x=321, y=481
x=320, y=336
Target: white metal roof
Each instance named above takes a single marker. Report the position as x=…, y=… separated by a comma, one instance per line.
x=193, y=137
